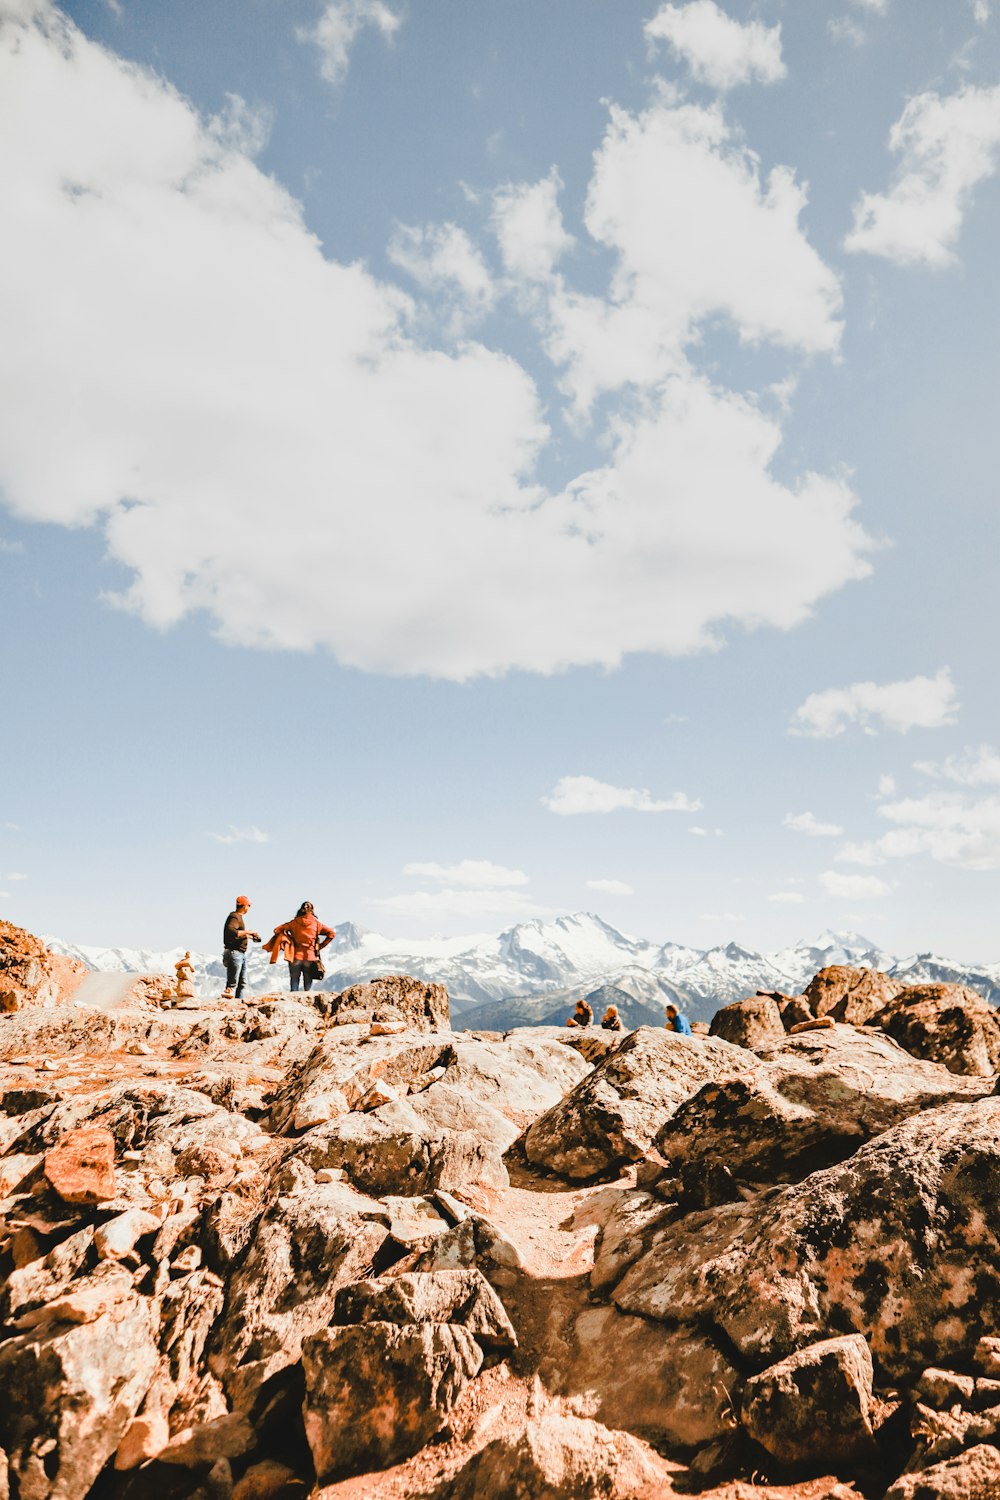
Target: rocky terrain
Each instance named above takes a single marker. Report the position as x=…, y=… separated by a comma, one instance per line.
x=325, y=1244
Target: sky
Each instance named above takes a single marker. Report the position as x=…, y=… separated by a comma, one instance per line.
x=462, y=463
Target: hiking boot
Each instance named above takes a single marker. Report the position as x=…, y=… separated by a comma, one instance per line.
x=228, y=995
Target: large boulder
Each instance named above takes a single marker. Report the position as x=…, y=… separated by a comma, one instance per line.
x=948, y=1024
x=810, y=1101
x=971, y=1475
x=612, y=1116
x=30, y=975
x=814, y=1407
x=847, y=994
x=901, y=1243
x=68, y=1397
x=393, y=1149
x=342, y=1067
x=556, y=1457
x=305, y=1248
x=749, y=1023
x=423, y=1006
x=377, y=1392
x=523, y=1075
x=462, y=1297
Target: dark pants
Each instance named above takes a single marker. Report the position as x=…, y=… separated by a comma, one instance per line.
x=236, y=970
x=301, y=969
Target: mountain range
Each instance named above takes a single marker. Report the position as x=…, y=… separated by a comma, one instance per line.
x=531, y=973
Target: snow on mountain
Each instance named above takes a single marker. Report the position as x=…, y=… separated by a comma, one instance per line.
x=493, y=975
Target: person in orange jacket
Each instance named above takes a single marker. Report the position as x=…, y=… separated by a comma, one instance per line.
x=301, y=941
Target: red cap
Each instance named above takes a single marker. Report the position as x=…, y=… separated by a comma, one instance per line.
x=242, y=900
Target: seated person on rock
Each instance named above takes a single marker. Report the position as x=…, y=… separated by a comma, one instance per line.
x=611, y=1020
x=582, y=1015
x=676, y=1022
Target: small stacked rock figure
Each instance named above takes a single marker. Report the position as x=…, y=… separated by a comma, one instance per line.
x=185, y=979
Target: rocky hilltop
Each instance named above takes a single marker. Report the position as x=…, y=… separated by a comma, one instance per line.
x=324, y=1244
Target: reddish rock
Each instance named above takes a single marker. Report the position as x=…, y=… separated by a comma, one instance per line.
x=81, y=1166
x=749, y=1023
x=972, y=1475
x=847, y=994
x=946, y=1023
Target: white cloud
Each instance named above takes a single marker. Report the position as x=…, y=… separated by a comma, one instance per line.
x=981, y=11
x=705, y=833
x=722, y=916
x=950, y=828
x=878, y=7
x=16, y=875
x=584, y=794
x=250, y=835
x=976, y=765
x=482, y=873
x=789, y=898
x=916, y=703
x=809, y=824
x=611, y=887
x=5, y=896
x=287, y=385
x=677, y=199
x=529, y=227
x=719, y=51
x=339, y=27
x=853, y=887
x=946, y=146
x=11, y=548
x=887, y=786
x=463, y=903
x=442, y=258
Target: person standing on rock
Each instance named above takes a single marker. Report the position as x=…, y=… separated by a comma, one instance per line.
x=676, y=1022
x=303, y=940
x=236, y=938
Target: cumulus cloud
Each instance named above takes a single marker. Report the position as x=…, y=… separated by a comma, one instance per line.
x=950, y=827
x=442, y=259
x=981, y=11
x=719, y=50
x=853, y=887
x=705, y=833
x=946, y=147
x=180, y=354
x=976, y=765
x=808, y=823
x=529, y=227
x=610, y=887
x=339, y=27
x=788, y=898
x=251, y=835
x=916, y=703
x=677, y=198
x=584, y=794
x=482, y=873
x=722, y=916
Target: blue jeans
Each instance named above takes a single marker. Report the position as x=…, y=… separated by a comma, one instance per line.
x=303, y=970
x=236, y=970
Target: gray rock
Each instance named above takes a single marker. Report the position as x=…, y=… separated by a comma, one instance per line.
x=418, y=1372
x=612, y=1116
x=815, y=1406
x=561, y=1458
x=972, y=1475
x=464, y=1298
x=748, y=1023
x=69, y=1396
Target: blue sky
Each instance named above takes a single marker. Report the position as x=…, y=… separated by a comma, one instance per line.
x=464, y=462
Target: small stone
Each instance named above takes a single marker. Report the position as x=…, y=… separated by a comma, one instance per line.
x=330, y=1174
x=972, y=1475
x=13, y=1171
x=377, y=1094
x=942, y=1389
x=81, y=1166
x=227, y=1437
x=987, y=1356
x=387, y=1028
x=146, y=1437
x=269, y=1480
x=119, y=1235
x=189, y=1259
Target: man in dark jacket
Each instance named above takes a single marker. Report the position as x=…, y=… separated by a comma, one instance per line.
x=236, y=937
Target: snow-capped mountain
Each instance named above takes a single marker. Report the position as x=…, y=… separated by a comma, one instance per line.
x=494, y=977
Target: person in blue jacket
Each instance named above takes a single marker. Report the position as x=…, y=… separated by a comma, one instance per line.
x=677, y=1022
